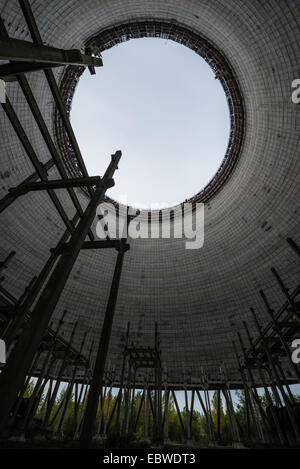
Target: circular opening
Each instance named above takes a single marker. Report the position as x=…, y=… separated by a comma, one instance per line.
x=158, y=102
x=121, y=33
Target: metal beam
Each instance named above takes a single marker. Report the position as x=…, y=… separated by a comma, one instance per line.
x=25, y=51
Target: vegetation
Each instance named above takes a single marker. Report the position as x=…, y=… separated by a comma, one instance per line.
x=200, y=430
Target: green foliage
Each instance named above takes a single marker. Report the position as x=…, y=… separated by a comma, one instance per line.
x=200, y=430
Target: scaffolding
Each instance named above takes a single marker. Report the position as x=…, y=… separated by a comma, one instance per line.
x=53, y=359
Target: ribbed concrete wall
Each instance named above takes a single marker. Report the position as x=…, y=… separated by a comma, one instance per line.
x=197, y=297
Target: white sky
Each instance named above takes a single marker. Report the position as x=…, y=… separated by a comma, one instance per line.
x=160, y=104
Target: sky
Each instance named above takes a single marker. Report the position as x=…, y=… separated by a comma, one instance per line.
x=159, y=103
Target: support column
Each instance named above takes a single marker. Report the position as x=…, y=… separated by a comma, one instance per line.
x=219, y=416
x=129, y=421
x=146, y=414
x=91, y=408
x=166, y=414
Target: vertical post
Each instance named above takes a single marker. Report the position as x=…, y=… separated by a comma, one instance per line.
x=132, y=402
x=190, y=423
x=157, y=391
x=91, y=407
x=127, y=398
x=125, y=353
x=188, y=434
x=146, y=412
x=166, y=413
x=219, y=415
